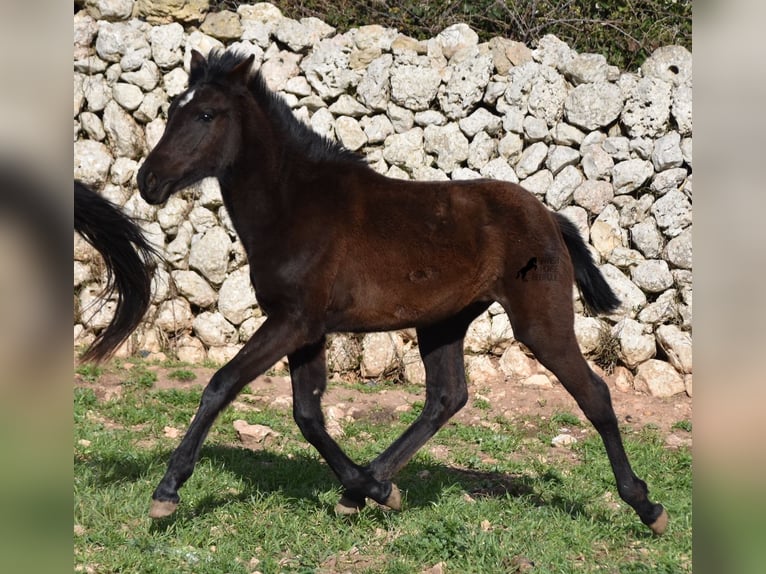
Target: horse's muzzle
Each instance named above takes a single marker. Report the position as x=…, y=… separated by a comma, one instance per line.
x=152, y=190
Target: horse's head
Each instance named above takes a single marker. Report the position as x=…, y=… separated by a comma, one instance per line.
x=203, y=133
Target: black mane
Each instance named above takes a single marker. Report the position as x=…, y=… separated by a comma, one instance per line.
x=301, y=138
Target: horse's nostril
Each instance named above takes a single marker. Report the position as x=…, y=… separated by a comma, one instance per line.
x=151, y=179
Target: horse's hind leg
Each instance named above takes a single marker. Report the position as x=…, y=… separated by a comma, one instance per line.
x=309, y=379
x=441, y=348
x=543, y=320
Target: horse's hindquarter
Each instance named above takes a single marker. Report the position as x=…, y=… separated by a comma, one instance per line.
x=418, y=252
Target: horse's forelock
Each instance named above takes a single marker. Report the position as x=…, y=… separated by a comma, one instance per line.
x=221, y=63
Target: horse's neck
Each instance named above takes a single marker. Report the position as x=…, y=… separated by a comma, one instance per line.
x=251, y=186
x=254, y=201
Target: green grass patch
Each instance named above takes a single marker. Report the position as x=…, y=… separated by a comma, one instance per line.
x=182, y=375
x=684, y=425
x=489, y=497
x=89, y=372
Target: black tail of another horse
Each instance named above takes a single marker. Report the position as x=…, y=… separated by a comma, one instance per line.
x=597, y=296
x=129, y=260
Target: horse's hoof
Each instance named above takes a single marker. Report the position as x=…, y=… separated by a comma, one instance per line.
x=659, y=525
x=394, y=500
x=346, y=506
x=162, y=508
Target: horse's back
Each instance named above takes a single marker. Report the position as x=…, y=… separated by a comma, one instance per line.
x=415, y=252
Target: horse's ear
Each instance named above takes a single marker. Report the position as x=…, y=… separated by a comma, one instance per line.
x=197, y=67
x=241, y=72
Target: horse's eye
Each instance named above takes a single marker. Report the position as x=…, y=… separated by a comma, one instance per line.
x=206, y=117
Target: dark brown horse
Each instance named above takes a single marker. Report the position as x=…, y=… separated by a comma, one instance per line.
x=334, y=246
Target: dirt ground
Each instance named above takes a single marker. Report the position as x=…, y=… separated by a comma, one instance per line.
x=498, y=398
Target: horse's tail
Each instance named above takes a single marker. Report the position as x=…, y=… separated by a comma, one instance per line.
x=129, y=260
x=596, y=293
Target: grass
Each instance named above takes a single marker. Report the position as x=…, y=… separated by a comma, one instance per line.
x=484, y=499
x=684, y=425
x=182, y=375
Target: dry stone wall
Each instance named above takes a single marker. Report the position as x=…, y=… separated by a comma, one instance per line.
x=610, y=149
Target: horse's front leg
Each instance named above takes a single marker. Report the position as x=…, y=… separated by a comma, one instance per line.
x=309, y=379
x=275, y=339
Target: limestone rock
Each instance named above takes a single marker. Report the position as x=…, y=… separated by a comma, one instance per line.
x=597, y=163
x=255, y=437
x=606, y=233
x=563, y=187
x=414, y=86
x=465, y=87
x=672, y=64
x=652, y=276
x=551, y=51
x=166, y=41
x=539, y=380
x=588, y=332
x=647, y=108
x=667, y=152
x=194, y=288
x=673, y=212
x=174, y=316
x=632, y=299
x=594, y=195
x=301, y=35
x=594, y=105
x=547, y=96
x=563, y=440
x=681, y=110
x=586, y=69
x=481, y=120
x=659, y=379
x=122, y=42
x=531, y=159
x=127, y=95
x=350, y=133
x=677, y=345
x=210, y=253
x=405, y=150
x=374, y=87
x=668, y=180
x=343, y=353
x=480, y=370
x=635, y=346
x=379, y=354
x=125, y=136
x=164, y=11
x=647, y=238
x=678, y=251
x=213, y=329
x=189, y=349
x=96, y=92
x=448, y=144
x=327, y=70
x=92, y=160
x=236, y=298
x=477, y=339
x=111, y=10
x=456, y=38
x=559, y=157
x=631, y=174
x=664, y=309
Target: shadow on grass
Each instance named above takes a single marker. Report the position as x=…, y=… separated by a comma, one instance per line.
x=299, y=478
